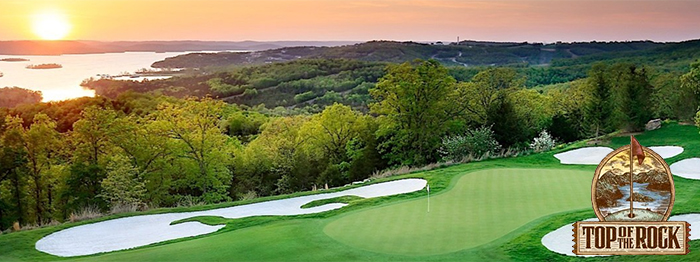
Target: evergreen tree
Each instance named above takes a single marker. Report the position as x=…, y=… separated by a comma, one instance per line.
x=598, y=109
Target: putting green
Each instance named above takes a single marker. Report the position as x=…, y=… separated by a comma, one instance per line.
x=481, y=207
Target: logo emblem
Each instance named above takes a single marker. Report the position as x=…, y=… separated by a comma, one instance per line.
x=632, y=196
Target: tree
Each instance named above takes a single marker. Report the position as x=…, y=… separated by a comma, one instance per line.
x=150, y=152
x=122, y=185
x=331, y=131
x=91, y=135
x=276, y=152
x=245, y=124
x=414, y=102
x=691, y=80
x=12, y=169
x=632, y=96
x=482, y=93
x=40, y=143
x=509, y=127
x=203, y=150
x=534, y=109
x=569, y=103
x=690, y=84
x=598, y=108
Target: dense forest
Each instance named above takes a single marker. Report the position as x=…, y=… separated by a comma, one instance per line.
x=137, y=146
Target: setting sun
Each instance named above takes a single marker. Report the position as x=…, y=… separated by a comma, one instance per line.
x=51, y=25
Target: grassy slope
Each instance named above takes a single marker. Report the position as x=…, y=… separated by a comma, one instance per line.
x=302, y=237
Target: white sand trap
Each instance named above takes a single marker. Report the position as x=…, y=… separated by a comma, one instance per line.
x=687, y=168
x=557, y=240
x=584, y=156
x=131, y=232
x=562, y=240
x=593, y=155
x=667, y=151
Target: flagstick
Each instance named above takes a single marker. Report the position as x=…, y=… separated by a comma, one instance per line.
x=428, y=198
x=631, y=215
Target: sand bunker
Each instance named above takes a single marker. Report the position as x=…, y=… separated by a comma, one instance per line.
x=557, y=240
x=667, y=151
x=562, y=240
x=584, y=156
x=687, y=168
x=593, y=155
x=131, y=232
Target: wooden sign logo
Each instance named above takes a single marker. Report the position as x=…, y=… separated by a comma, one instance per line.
x=632, y=195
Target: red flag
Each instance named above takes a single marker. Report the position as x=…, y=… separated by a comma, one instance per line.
x=637, y=150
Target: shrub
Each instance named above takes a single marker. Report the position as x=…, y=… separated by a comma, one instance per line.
x=188, y=201
x=119, y=208
x=303, y=97
x=250, y=92
x=544, y=142
x=250, y=195
x=85, y=213
x=474, y=143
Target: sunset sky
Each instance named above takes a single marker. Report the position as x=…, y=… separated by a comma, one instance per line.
x=265, y=20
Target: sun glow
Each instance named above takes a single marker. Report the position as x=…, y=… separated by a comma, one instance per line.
x=51, y=25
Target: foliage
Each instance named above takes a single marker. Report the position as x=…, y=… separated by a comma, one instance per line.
x=415, y=101
x=342, y=199
x=121, y=185
x=632, y=94
x=543, y=142
x=671, y=99
x=599, y=106
x=203, y=150
x=483, y=92
x=13, y=96
x=475, y=143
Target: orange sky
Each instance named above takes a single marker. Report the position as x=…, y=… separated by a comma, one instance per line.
x=419, y=20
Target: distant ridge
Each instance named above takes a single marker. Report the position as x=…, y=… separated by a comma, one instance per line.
x=464, y=53
x=38, y=47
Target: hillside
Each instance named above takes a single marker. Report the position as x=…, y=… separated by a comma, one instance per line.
x=466, y=53
x=289, y=84
x=303, y=76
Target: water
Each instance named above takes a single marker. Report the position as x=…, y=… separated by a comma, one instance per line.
x=64, y=83
x=659, y=205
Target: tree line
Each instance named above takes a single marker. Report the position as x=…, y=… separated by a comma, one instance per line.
x=144, y=150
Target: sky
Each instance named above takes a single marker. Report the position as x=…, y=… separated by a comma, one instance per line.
x=358, y=20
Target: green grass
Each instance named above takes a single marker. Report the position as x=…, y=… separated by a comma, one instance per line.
x=341, y=199
x=483, y=206
x=304, y=237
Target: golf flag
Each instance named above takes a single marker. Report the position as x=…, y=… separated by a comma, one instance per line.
x=637, y=150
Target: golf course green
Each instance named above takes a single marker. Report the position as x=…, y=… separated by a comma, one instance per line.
x=482, y=206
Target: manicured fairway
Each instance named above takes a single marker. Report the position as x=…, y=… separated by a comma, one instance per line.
x=481, y=207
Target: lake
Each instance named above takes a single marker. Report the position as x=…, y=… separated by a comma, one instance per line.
x=64, y=83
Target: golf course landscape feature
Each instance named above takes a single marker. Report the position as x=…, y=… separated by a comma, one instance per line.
x=482, y=206
x=593, y=155
x=136, y=231
x=687, y=168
